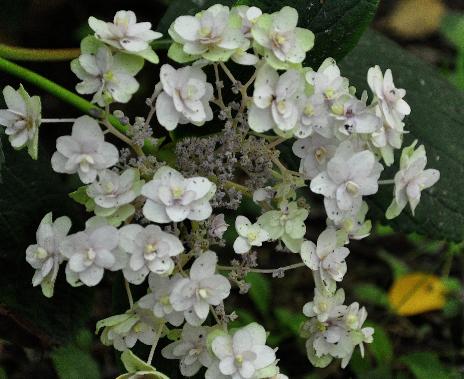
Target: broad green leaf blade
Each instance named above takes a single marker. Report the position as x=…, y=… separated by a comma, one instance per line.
x=30, y=189
x=426, y=365
x=71, y=362
x=336, y=24
x=436, y=120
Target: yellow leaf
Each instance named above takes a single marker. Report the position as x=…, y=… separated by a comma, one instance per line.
x=415, y=18
x=417, y=293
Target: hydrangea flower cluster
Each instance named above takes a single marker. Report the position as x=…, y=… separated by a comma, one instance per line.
x=160, y=218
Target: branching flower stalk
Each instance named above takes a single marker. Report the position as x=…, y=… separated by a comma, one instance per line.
x=157, y=209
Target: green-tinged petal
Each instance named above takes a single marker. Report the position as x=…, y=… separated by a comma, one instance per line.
x=177, y=54
x=294, y=245
x=129, y=63
x=112, y=321
x=120, y=215
x=150, y=55
x=90, y=45
x=218, y=55
x=304, y=39
x=393, y=210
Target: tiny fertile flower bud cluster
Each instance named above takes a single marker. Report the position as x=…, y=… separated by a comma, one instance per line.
x=158, y=220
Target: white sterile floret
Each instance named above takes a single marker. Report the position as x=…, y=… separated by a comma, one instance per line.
x=390, y=98
x=314, y=117
x=349, y=176
x=248, y=235
x=328, y=82
x=218, y=226
x=110, y=77
x=150, y=250
x=249, y=16
x=126, y=34
x=203, y=287
x=325, y=306
x=315, y=151
x=275, y=101
x=355, y=117
x=85, y=151
x=352, y=226
x=45, y=256
x=124, y=330
x=244, y=353
x=173, y=198
x=286, y=224
x=184, y=98
x=191, y=350
x=263, y=194
x=21, y=119
x=213, y=34
x=158, y=299
x=326, y=257
x=411, y=180
x=279, y=40
x=111, y=190
x=90, y=252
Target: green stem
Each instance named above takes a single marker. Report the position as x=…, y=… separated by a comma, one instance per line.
x=67, y=96
x=26, y=54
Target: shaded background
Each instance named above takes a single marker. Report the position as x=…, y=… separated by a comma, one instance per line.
x=420, y=27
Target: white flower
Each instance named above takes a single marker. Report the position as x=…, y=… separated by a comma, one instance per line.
x=84, y=151
x=110, y=77
x=349, y=176
x=279, y=40
x=190, y=350
x=275, y=101
x=185, y=97
x=354, y=318
x=21, y=119
x=213, y=34
x=249, y=16
x=314, y=116
x=390, y=98
x=248, y=235
x=326, y=257
x=325, y=306
x=158, y=299
x=112, y=190
x=218, y=226
x=356, y=117
x=195, y=294
x=315, y=151
x=45, y=256
x=411, y=180
x=245, y=353
x=172, y=198
x=126, y=34
x=150, y=250
x=263, y=194
x=124, y=330
x=328, y=82
x=91, y=252
x=286, y=224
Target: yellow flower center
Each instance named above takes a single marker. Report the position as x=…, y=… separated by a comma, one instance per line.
x=337, y=109
x=320, y=154
x=203, y=292
x=41, y=253
x=177, y=192
x=352, y=188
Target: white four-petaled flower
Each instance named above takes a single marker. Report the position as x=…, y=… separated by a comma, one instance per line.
x=248, y=235
x=150, y=250
x=184, y=98
x=173, y=198
x=203, y=287
x=84, y=151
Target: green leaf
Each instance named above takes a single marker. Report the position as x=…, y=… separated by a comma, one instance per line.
x=260, y=292
x=398, y=267
x=425, y=365
x=435, y=120
x=132, y=363
x=72, y=363
x=337, y=25
x=370, y=293
x=289, y=320
x=452, y=27
x=30, y=189
x=381, y=347
x=80, y=196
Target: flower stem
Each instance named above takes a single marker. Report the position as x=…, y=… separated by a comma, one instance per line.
x=56, y=120
x=155, y=343
x=387, y=181
x=41, y=55
x=266, y=270
x=129, y=293
x=66, y=95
